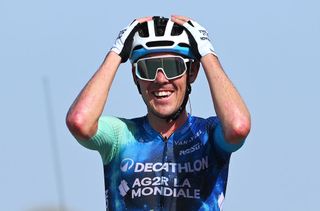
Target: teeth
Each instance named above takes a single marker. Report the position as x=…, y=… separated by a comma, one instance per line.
x=162, y=93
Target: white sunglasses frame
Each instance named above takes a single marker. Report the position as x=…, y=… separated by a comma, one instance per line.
x=164, y=72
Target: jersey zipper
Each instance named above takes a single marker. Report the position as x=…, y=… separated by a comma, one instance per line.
x=164, y=159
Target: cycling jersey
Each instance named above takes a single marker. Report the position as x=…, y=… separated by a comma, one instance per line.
x=145, y=171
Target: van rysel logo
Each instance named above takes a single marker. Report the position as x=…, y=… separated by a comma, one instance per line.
x=126, y=164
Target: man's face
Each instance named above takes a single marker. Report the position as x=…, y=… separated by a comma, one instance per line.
x=163, y=97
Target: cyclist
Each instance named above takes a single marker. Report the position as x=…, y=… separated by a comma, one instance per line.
x=167, y=159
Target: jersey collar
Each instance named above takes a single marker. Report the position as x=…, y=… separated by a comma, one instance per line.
x=155, y=134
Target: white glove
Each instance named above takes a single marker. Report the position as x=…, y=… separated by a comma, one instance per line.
x=199, y=39
x=123, y=43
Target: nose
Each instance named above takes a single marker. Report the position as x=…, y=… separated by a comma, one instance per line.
x=160, y=77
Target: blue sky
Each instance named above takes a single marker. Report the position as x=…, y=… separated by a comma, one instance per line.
x=269, y=49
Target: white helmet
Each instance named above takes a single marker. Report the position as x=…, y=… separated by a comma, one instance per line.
x=160, y=35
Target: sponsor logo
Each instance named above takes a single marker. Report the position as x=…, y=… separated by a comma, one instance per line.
x=162, y=185
x=123, y=188
x=220, y=200
x=159, y=186
x=126, y=164
x=192, y=138
x=190, y=150
x=195, y=166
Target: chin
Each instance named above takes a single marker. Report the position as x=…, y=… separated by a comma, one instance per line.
x=162, y=113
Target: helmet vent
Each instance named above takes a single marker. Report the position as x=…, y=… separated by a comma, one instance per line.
x=160, y=25
x=159, y=43
x=184, y=45
x=143, y=31
x=176, y=30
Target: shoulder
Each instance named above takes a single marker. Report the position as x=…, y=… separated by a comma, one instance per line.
x=214, y=127
x=117, y=128
x=113, y=134
x=113, y=121
x=209, y=122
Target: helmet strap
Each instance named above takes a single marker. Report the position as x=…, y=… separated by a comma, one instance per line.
x=176, y=114
x=138, y=86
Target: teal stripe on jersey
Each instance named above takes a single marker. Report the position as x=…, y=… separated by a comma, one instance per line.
x=111, y=133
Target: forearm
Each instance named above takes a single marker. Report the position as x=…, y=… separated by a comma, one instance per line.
x=83, y=115
x=228, y=104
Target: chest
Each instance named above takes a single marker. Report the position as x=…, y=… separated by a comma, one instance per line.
x=175, y=163
x=180, y=171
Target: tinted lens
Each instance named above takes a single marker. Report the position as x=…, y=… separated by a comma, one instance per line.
x=172, y=66
x=147, y=68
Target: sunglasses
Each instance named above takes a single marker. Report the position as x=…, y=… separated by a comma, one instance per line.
x=172, y=66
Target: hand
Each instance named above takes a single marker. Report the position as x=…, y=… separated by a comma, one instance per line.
x=198, y=36
x=123, y=43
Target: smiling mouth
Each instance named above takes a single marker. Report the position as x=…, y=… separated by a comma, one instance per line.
x=162, y=94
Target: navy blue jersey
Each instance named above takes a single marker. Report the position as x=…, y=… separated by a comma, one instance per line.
x=145, y=171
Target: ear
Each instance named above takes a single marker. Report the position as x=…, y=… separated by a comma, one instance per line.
x=193, y=73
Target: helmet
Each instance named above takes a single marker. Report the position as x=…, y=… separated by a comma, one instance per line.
x=160, y=35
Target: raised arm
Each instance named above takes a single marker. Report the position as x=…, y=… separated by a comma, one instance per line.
x=83, y=115
x=228, y=104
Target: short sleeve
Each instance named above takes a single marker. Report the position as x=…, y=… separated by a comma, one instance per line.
x=221, y=141
x=106, y=139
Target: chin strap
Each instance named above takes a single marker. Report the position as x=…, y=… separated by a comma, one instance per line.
x=138, y=86
x=176, y=114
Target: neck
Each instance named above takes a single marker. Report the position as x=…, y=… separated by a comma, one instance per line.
x=164, y=127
